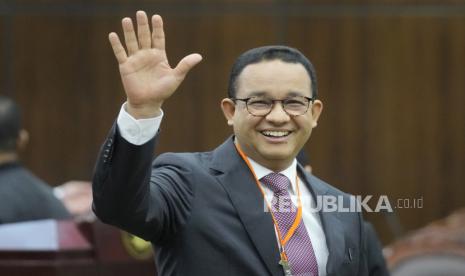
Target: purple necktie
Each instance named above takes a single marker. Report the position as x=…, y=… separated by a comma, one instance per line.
x=299, y=249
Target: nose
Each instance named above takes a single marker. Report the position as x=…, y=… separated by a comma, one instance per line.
x=277, y=114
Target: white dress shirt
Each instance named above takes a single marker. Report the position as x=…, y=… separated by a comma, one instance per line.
x=140, y=131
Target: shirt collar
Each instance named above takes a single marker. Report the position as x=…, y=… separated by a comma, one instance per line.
x=261, y=171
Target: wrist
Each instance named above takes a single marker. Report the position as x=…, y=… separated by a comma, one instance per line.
x=143, y=111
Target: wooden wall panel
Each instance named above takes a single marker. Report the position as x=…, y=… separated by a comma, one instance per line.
x=390, y=76
x=334, y=46
x=387, y=5
x=390, y=85
x=55, y=80
x=452, y=117
x=3, y=47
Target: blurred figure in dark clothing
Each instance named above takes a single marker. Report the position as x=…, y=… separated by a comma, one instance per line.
x=23, y=196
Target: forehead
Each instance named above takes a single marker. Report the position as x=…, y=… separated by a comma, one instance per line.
x=274, y=78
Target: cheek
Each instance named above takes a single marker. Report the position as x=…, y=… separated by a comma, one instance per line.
x=304, y=124
x=246, y=122
x=241, y=124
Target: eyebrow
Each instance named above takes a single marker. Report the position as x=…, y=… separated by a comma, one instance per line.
x=293, y=94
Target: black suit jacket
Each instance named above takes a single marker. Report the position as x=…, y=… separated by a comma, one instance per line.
x=204, y=214
x=25, y=197
x=376, y=264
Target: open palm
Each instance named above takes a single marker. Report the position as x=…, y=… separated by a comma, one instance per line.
x=147, y=77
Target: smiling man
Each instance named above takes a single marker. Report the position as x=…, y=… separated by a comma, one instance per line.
x=243, y=208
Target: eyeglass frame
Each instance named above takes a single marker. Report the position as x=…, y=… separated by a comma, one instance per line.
x=245, y=100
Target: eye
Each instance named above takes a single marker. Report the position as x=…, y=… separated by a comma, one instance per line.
x=259, y=103
x=295, y=103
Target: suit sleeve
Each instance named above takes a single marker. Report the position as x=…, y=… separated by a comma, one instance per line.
x=152, y=202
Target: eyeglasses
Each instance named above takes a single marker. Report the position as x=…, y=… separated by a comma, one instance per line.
x=262, y=106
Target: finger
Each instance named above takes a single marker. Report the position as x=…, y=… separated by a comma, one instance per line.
x=186, y=64
x=143, y=30
x=130, y=36
x=118, y=49
x=158, y=35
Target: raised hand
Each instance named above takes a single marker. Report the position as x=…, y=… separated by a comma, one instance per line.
x=147, y=77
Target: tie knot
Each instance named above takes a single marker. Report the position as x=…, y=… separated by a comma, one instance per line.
x=277, y=182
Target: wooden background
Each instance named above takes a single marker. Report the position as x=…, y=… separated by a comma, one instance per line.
x=391, y=75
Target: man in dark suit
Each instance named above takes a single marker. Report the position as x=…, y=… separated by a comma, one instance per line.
x=23, y=196
x=245, y=207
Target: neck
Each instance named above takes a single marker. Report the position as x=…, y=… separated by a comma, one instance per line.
x=274, y=166
x=8, y=157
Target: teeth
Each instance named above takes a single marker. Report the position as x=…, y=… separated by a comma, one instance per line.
x=275, y=133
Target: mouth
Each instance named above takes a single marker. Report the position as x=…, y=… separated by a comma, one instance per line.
x=276, y=135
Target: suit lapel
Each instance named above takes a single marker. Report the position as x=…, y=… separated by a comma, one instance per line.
x=240, y=185
x=335, y=241
x=332, y=226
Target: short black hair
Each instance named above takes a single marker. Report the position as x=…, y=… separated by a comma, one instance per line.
x=273, y=52
x=10, y=124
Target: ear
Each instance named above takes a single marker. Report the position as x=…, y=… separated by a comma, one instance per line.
x=23, y=139
x=228, y=107
x=316, y=109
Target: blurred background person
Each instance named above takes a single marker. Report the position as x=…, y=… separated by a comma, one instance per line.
x=23, y=196
x=76, y=195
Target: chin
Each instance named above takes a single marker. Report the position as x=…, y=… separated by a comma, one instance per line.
x=276, y=155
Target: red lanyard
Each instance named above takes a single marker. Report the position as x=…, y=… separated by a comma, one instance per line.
x=298, y=218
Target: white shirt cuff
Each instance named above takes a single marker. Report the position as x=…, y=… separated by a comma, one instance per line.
x=137, y=132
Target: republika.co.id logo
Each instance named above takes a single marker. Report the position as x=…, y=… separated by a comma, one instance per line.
x=330, y=203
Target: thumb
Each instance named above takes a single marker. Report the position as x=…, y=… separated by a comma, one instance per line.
x=186, y=64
